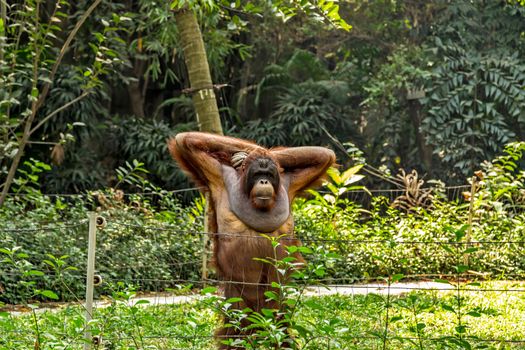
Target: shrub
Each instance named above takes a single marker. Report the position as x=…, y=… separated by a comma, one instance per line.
x=141, y=245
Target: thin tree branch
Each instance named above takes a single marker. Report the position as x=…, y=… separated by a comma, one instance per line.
x=42, y=143
x=368, y=168
x=63, y=50
x=35, y=105
x=58, y=110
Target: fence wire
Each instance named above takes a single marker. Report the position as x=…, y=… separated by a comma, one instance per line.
x=119, y=320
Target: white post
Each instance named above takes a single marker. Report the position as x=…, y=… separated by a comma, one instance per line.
x=471, y=213
x=90, y=276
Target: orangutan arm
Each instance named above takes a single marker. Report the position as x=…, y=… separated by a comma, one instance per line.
x=304, y=166
x=201, y=154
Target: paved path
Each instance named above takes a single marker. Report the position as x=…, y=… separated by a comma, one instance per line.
x=355, y=289
x=377, y=288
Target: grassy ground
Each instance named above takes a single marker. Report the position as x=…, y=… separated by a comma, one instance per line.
x=493, y=318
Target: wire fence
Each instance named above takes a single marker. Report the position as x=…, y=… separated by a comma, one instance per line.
x=464, y=302
x=363, y=197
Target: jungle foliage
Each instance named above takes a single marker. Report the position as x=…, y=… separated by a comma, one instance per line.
x=433, y=86
x=154, y=242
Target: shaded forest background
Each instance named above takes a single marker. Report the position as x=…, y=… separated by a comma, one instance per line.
x=436, y=86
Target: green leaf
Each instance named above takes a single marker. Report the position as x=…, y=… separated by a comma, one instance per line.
x=209, y=290
x=461, y=268
x=49, y=294
x=447, y=308
x=271, y=295
x=305, y=250
x=396, y=318
x=442, y=281
x=268, y=312
x=303, y=332
x=266, y=261
x=288, y=259
x=5, y=251
x=34, y=273
x=313, y=304
x=397, y=277
x=471, y=250
x=320, y=272
x=461, y=329
x=233, y=300
x=292, y=249
x=50, y=263
x=447, y=248
x=348, y=173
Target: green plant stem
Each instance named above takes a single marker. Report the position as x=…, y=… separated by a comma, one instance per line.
x=458, y=295
x=385, y=335
x=35, y=320
x=420, y=341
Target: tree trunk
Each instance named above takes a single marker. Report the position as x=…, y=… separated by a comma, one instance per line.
x=136, y=98
x=203, y=98
x=425, y=151
x=198, y=72
x=137, y=88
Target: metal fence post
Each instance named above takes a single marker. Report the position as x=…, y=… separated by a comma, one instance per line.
x=468, y=236
x=90, y=277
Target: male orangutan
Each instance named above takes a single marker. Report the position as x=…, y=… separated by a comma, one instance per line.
x=252, y=189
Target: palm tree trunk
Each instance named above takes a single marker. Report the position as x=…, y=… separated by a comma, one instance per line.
x=203, y=98
x=198, y=72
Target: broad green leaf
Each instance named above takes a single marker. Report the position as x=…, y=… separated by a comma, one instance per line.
x=234, y=300
x=49, y=294
x=209, y=290
x=271, y=295
x=34, y=273
x=397, y=277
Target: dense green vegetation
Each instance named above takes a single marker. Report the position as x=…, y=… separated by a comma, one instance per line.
x=433, y=86
x=91, y=90
x=154, y=242
x=417, y=320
